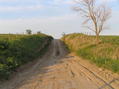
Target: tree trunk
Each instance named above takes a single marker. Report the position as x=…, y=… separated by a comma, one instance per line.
x=97, y=38
x=97, y=33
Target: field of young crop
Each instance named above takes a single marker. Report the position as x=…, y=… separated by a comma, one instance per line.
x=16, y=50
x=105, y=54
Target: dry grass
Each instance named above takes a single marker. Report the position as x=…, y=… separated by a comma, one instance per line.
x=104, y=54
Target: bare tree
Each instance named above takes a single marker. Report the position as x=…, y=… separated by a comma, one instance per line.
x=95, y=15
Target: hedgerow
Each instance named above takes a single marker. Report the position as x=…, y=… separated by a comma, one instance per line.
x=16, y=50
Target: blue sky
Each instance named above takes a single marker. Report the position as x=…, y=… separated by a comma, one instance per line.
x=49, y=16
x=13, y=9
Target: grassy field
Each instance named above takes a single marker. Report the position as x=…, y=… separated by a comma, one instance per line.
x=105, y=54
x=16, y=50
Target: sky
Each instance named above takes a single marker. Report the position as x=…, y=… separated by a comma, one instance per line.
x=52, y=17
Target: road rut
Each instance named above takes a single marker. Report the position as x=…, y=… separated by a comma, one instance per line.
x=59, y=70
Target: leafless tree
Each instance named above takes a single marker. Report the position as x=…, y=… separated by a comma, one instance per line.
x=95, y=14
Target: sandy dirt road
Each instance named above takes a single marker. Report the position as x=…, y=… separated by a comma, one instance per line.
x=59, y=70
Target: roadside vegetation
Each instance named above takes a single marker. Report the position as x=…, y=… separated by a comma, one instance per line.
x=105, y=54
x=17, y=50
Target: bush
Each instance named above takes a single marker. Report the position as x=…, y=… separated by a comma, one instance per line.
x=19, y=50
x=4, y=71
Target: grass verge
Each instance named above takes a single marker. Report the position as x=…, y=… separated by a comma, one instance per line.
x=104, y=54
x=17, y=50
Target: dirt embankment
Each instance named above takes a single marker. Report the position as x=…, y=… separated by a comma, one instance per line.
x=60, y=70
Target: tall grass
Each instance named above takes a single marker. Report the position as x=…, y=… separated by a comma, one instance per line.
x=105, y=54
x=16, y=50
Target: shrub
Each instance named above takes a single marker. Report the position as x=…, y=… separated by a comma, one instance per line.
x=19, y=50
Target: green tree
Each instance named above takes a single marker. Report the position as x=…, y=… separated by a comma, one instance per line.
x=39, y=32
x=28, y=31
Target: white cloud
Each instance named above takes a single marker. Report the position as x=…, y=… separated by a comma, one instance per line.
x=69, y=2
x=19, y=8
x=6, y=0
x=17, y=0
x=59, y=2
x=109, y=0
x=52, y=25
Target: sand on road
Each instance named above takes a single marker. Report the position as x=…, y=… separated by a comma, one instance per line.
x=58, y=69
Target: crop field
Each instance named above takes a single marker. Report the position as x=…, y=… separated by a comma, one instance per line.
x=105, y=54
x=16, y=50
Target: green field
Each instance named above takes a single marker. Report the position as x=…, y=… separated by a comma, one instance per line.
x=16, y=50
x=105, y=54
